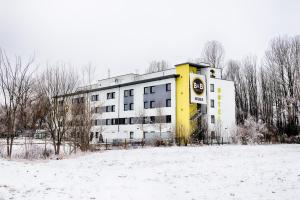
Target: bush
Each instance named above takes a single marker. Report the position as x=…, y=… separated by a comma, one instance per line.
x=251, y=132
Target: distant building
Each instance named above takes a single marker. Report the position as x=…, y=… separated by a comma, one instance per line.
x=161, y=104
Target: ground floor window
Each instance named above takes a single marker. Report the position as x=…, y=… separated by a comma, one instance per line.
x=131, y=135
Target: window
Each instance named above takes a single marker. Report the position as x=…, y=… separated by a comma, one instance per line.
x=146, y=105
x=61, y=102
x=152, y=89
x=97, y=134
x=127, y=120
x=111, y=95
x=91, y=136
x=121, y=120
x=131, y=106
x=212, y=103
x=108, y=121
x=213, y=134
x=212, y=119
x=152, y=104
x=168, y=119
x=131, y=135
x=168, y=103
x=144, y=134
x=152, y=119
x=131, y=92
x=126, y=107
x=168, y=87
x=212, y=87
x=126, y=93
x=146, y=90
x=97, y=110
x=94, y=98
x=131, y=120
x=110, y=108
x=81, y=99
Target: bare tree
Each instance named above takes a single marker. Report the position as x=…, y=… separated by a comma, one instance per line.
x=213, y=54
x=57, y=83
x=15, y=80
x=157, y=66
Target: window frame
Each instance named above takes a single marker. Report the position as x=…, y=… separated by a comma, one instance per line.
x=212, y=103
x=212, y=87
x=168, y=100
x=168, y=87
x=152, y=104
x=212, y=119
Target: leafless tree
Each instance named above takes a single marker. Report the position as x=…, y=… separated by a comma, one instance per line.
x=57, y=83
x=157, y=66
x=15, y=81
x=213, y=54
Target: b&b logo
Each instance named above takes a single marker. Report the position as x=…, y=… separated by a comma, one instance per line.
x=198, y=86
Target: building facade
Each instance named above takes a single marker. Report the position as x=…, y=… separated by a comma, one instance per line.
x=160, y=104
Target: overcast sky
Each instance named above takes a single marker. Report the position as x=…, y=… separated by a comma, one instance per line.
x=125, y=35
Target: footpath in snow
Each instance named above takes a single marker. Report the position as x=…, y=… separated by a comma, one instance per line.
x=209, y=172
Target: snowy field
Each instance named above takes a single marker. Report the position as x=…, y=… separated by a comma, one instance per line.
x=209, y=172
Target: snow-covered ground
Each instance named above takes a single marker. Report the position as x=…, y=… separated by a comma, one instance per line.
x=209, y=172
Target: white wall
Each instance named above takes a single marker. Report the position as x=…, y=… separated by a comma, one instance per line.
x=111, y=131
x=227, y=105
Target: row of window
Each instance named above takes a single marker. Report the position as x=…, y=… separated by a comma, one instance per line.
x=133, y=120
x=127, y=93
x=152, y=104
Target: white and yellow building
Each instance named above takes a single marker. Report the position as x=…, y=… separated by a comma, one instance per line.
x=164, y=104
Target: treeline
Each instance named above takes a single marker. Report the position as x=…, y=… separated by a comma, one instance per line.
x=269, y=91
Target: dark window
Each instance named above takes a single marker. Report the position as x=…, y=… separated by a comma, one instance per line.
x=212, y=119
x=113, y=108
x=126, y=93
x=152, y=119
x=146, y=106
x=131, y=135
x=152, y=104
x=131, y=120
x=212, y=103
x=95, y=122
x=168, y=119
x=126, y=107
x=81, y=99
x=168, y=103
x=111, y=95
x=213, y=134
x=146, y=90
x=91, y=136
x=144, y=134
x=94, y=98
x=108, y=121
x=152, y=89
x=61, y=102
x=168, y=87
x=146, y=120
x=121, y=120
x=131, y=92
x=212, y=87
x=131, y=106
x=97, y=134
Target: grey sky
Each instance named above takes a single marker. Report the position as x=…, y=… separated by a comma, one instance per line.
x=127, y=35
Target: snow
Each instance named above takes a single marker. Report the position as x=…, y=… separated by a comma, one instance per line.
x=208, y=172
